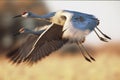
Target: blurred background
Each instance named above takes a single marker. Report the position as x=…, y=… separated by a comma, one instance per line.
x=66, y=63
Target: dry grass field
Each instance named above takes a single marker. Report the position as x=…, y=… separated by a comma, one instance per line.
x=66, y=67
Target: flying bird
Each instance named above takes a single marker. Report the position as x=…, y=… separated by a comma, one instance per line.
x=66, y=26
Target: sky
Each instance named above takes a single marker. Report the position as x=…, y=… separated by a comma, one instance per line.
x=108, y=12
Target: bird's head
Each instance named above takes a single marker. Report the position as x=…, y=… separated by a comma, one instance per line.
x=24, y=14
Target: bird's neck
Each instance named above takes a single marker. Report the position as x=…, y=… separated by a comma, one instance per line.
x=42, y=17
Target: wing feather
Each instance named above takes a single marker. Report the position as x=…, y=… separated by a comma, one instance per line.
x=18, y=54
x=45, y=50
x=48, y=42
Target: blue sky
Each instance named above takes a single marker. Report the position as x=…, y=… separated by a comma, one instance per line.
x=108, y=12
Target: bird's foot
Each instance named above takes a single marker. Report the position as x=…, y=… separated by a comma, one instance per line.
x=106, y=36
x=103, y=39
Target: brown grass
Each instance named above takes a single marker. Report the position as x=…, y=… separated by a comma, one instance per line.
x=67, y=67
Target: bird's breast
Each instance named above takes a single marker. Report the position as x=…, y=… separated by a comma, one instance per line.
x=74, y=34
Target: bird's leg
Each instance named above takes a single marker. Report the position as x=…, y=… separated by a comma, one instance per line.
x=82, y=52
x=87, y=52
x=103, y=33
x=101, y=38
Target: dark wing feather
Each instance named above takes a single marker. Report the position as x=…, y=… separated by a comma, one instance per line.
x=50, y=41
x=44, y=50
x=20, y=52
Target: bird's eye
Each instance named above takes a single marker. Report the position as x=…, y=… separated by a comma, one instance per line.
x=24, y=13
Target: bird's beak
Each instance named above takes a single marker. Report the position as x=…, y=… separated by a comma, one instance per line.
x=17, y=16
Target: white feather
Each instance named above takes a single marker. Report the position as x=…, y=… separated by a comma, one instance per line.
x=75, y=34
x=70, y=30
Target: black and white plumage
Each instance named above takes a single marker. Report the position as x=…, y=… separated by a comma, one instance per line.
x=65, y=26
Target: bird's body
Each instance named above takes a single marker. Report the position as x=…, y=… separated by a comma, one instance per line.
x=76, y=25
x=65, y=26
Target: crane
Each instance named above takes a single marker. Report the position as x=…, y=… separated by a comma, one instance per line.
x=66, y=26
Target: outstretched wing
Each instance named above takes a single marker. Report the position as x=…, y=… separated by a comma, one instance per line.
x=41, y=51
x=46, y=43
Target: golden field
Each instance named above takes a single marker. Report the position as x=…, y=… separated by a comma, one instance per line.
x=66, y=67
